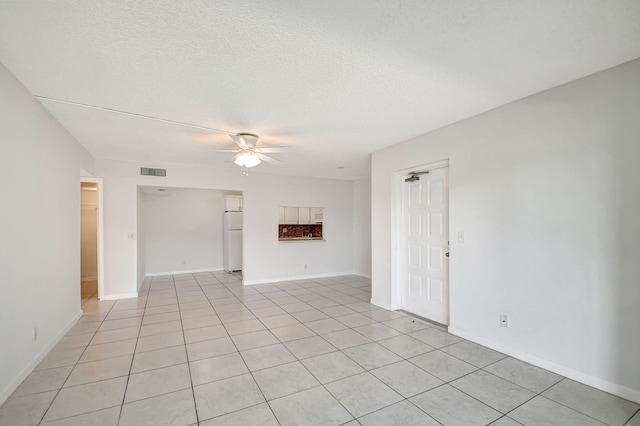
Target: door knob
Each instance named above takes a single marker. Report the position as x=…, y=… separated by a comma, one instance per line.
x=446, y=254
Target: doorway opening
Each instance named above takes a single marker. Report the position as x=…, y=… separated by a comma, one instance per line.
x=189, y=231
x=90, y=241
x=422, y=242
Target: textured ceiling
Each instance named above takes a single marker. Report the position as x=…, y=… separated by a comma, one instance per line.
x=336, y=80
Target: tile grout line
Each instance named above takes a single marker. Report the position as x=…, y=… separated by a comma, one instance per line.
x=74, y=365
x=364, y=371
x=403, y=359
x=193, y=395
x=637, y=413
x=231, y=287
x=304, y=366
x=244, y=362
x=133, y=356
x=322, y=385
x=299, y=361
x=282, y=343
x=248, y=369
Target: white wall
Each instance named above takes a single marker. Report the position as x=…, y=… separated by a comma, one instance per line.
x=141, y=239
x=548, y=191
x=362, y=227
x=183, y=230
x=265, y=258
x=39, y=230
x=88, y=235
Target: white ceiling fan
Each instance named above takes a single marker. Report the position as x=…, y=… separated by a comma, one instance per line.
x=248, y=154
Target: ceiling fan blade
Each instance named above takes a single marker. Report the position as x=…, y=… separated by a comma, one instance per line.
x=217, y=150
x=240, y=141
x=275, y=149
x=268, y=159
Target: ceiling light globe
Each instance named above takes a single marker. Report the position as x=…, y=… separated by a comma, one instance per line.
x=247, y=160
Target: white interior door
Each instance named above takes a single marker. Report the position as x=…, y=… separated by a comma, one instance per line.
x=425, y=216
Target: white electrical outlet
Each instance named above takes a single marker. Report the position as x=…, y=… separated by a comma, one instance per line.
x=504, y=320
x=305, y=266
x=34, y=334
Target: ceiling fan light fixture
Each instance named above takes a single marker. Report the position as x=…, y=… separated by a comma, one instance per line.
x=247, y=159
x=249, y=138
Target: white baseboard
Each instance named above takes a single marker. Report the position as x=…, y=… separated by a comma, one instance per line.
x=13, y=385
x=119, y=296
x=380, y=304
x=191, y=271
x=362, y=274
x=578, y=376
x=384, y=305
x=297, y=277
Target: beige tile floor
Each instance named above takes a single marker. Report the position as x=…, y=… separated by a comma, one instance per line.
x=204, y=349
x=89, y=291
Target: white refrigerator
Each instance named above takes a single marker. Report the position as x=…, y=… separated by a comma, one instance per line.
x=232, y=242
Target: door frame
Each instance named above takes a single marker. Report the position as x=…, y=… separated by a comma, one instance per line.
x=398, y=273
x=100, y=236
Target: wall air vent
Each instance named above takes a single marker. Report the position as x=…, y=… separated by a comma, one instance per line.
x=145, y=171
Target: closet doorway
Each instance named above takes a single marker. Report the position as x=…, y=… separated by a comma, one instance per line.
x=90, y=242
